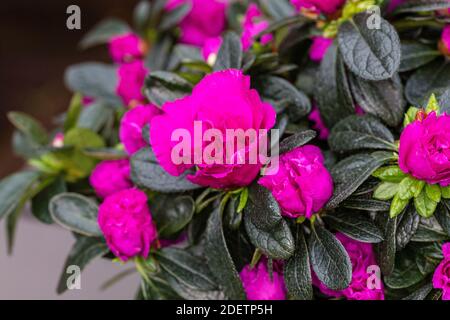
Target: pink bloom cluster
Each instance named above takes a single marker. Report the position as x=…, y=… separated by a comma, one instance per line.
x=319, y=48
x=131, y=80
x=131, y=126
x=222, y=100
x=361, y=256
x=206, y=19
x=126, y=223
x=319, y=125
x=253, y=25
x=110, y=177
x=441, y=277
x=126, y=48
x=425, y=149
x=302, y=185
x=445, y=40
x=318, y=6
x=258, y=285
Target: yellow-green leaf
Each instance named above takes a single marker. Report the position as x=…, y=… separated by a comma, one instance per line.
x=433, y=192
x=397, y=206
x=386, y=191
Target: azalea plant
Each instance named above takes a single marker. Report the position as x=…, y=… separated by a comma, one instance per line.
x=358, y=205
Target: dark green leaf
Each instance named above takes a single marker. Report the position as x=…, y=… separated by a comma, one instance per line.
x=421, y=293
x=95, y=117
x=383, y=99
x=421, y=5
x=188, y=275
x=265, y=226
x=355, y=225
x=352, y=172
x=40, y=203
x=360, y=132
x=405, y=274
x=329, y=259
x=103, y=32
x=297, y=140
x=385, y=251
x=427, y=80
x=415, y=55
x=372, y=54
x=332, y=92
x=230, y=53
x=429, y=230
x=172, y=215
x=279, y=9
x=283, y=94
x=147, y=173
x=162, y=87
x=13, y=189
x=366, y=204
x=297, y=271
x=29, y=126
x=84, y=251
x=157, y=59
x=76, y=213
x=96, y=80
x=219, y=259
x=443, y=215
x=407, y=227
x=173, y=17
x=444, y=100
x=141, y=14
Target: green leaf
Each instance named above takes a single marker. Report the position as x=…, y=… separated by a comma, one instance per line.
x=433, y=192
x=95, y=117
x=442, y=215
x=172, y=215
x=141, y=14
x=219, y=259
x=352, y=172
x=383, y=99
x=356, y=226
x=40, y=203
x=29, y=126
x=397, y=206
x=297, y=271
x=83, y=138
x=421, y=5
x=163, y=86
x=103, y=32
x=372, y=54
x=421, y=293
x=432, y=105
x=296, y=140
x=390, y=174
x=424, y=205
x=188, y=275
x=445, y=192
x=365, y=204
x=173, y=17
x=426, y=80
x=410, y=116
x=230, y=53
x=92, y=79
x=157, y=60
x=105, y=153
x=385, y=250
x=279, y=10
x=13, y=189
x=444, y=100
x=407, y=226
x=266, y=228
x=332, y=91
x=360, y=132
x=73, y=113
x=283, y=94
x=76, y=213
x=84, y=251
x=415, y=55
x=329, y=259
x=146, y=172
x=405, y=274
x=410, y=188
x=386, y=191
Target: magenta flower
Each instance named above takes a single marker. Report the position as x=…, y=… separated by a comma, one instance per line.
x=207, y=19
x=211, y=47
x=319, y=125
x=259, y=286
x=445, y=40
x=110, y=177
x=126, y=223
x=131, y=126
x=131, y=81
x=319, y=48
x=318, y=6
x=222, y=100
x=302, y=185
x=425, y=149
x=253, y=25
x=126, y=48
x=361, y=256
x=441, y=277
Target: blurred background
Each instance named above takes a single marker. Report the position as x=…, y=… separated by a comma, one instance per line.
x=35, y=48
